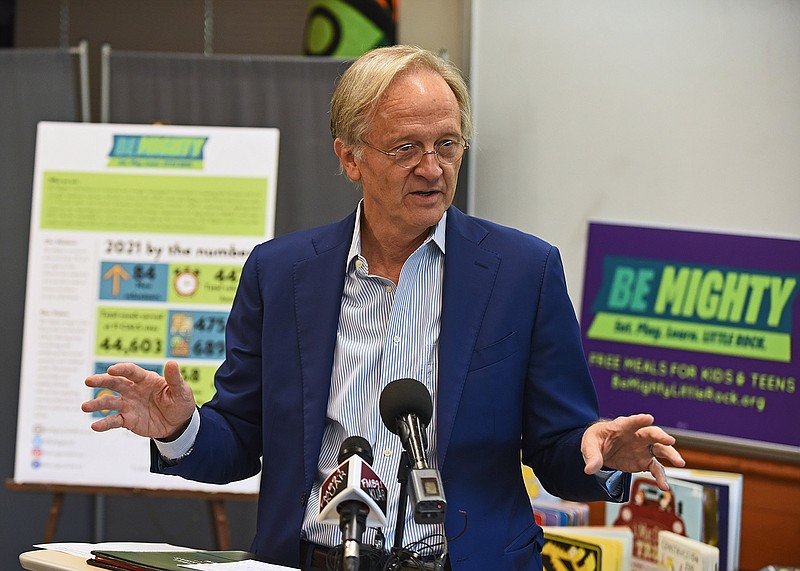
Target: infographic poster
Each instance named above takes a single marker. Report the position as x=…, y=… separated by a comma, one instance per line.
x=138, y=236
x=698, y=328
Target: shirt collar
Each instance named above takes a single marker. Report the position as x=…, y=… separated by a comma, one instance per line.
x=436, y=235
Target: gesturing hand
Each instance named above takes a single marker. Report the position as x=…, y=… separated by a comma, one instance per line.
x=630, y=444
x=148, y=404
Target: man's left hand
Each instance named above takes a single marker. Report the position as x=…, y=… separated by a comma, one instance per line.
x=630, y=444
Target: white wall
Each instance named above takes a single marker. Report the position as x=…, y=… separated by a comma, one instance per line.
x=668, y=112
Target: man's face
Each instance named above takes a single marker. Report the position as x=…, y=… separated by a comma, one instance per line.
x=418, y=107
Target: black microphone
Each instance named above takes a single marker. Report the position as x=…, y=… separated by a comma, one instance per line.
x=406, y=409
x=352, y=496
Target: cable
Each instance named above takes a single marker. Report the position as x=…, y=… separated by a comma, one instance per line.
x=427, y=554
x=411, y=556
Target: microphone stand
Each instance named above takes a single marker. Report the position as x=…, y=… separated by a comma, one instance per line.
x=402, y=501
x=354, y=521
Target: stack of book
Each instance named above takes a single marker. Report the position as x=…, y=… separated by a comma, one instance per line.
x=548, y=511
x=551, y=510
x=703, y=506
x=591, y=548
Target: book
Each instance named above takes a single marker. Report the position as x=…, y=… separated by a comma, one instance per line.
x=548, y=511
x=616, y=543
x=650, y=509
x=564, y=552
x=723, y=510
x=552, y=510
x=681, y=553
x=161, y=560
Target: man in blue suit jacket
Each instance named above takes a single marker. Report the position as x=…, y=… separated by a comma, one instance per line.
x=507, y=370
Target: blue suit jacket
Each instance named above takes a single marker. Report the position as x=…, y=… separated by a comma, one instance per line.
x=512, y=376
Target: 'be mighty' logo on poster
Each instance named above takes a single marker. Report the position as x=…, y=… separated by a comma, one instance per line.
x=726, y=311
x=157, y=151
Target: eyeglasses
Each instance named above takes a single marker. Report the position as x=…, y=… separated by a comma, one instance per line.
x=410, y=155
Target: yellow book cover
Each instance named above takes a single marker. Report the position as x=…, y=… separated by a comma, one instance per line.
x=616, y=543
x=566, y=553
x=680, y=553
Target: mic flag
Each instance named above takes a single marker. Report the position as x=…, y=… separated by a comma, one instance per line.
x=353, y=479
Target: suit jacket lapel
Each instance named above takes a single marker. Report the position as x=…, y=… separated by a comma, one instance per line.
x=469, y=276
x=318, y=283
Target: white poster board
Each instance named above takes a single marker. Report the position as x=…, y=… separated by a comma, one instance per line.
x=138, y=235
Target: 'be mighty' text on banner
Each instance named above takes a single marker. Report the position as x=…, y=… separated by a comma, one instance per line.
x=696, y=328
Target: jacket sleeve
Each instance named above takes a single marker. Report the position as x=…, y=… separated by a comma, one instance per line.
x=228, y=444
x=560, y=400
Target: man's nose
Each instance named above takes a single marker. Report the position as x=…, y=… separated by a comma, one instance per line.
x=428, y=165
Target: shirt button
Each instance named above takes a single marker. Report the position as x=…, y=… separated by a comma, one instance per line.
x=396, y=339
x=387, y=453
x=359, y=264
x=388, y=289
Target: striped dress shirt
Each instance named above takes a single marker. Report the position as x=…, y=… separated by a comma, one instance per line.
x=385, y=332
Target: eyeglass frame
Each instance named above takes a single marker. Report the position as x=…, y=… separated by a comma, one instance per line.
x=435, y=152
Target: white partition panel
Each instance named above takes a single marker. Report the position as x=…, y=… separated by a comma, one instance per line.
x=679, y=113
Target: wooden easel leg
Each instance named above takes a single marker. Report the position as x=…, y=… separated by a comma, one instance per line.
x=52, y=519
x=219, y=522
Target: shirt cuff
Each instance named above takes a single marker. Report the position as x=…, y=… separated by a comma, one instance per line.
x=180, y=447
x=614, y=483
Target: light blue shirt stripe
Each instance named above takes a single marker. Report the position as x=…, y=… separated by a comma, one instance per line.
x=386, y=332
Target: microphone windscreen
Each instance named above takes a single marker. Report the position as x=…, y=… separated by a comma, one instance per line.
x=403, y=397
x=355, y=445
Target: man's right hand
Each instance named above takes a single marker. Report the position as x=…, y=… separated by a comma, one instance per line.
x=148, y=404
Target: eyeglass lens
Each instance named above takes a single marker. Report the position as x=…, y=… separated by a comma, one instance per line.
x=409, y=156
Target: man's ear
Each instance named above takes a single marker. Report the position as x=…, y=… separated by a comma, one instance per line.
x=347, y=158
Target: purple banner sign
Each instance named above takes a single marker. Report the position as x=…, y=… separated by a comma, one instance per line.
x=699, y=329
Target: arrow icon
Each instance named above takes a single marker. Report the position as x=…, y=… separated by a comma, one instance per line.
x=115, y=273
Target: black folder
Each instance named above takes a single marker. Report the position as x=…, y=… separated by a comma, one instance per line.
x=161, y=560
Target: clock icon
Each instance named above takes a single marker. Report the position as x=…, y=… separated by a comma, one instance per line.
x=186, y=283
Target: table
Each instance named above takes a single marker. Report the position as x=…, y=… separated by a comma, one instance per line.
x=51, y=560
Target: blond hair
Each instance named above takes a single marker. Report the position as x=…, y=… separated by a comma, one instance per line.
x=361, y=87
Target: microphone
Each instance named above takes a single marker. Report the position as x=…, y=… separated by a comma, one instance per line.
x=353, y=496
x=406, y=409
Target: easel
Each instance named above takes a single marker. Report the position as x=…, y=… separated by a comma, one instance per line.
x=214, y=500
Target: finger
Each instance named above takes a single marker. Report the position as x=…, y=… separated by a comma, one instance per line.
x=96, y=380
x=657, y=434
x=642, y=419
x=104, y=402
x=172, y=374
x=668, y=453
x=117, y=384
x=634, y=423
x=659, y=474
x=129, y=371
x=593, y=460
x=109, y=422
x=590, y=447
